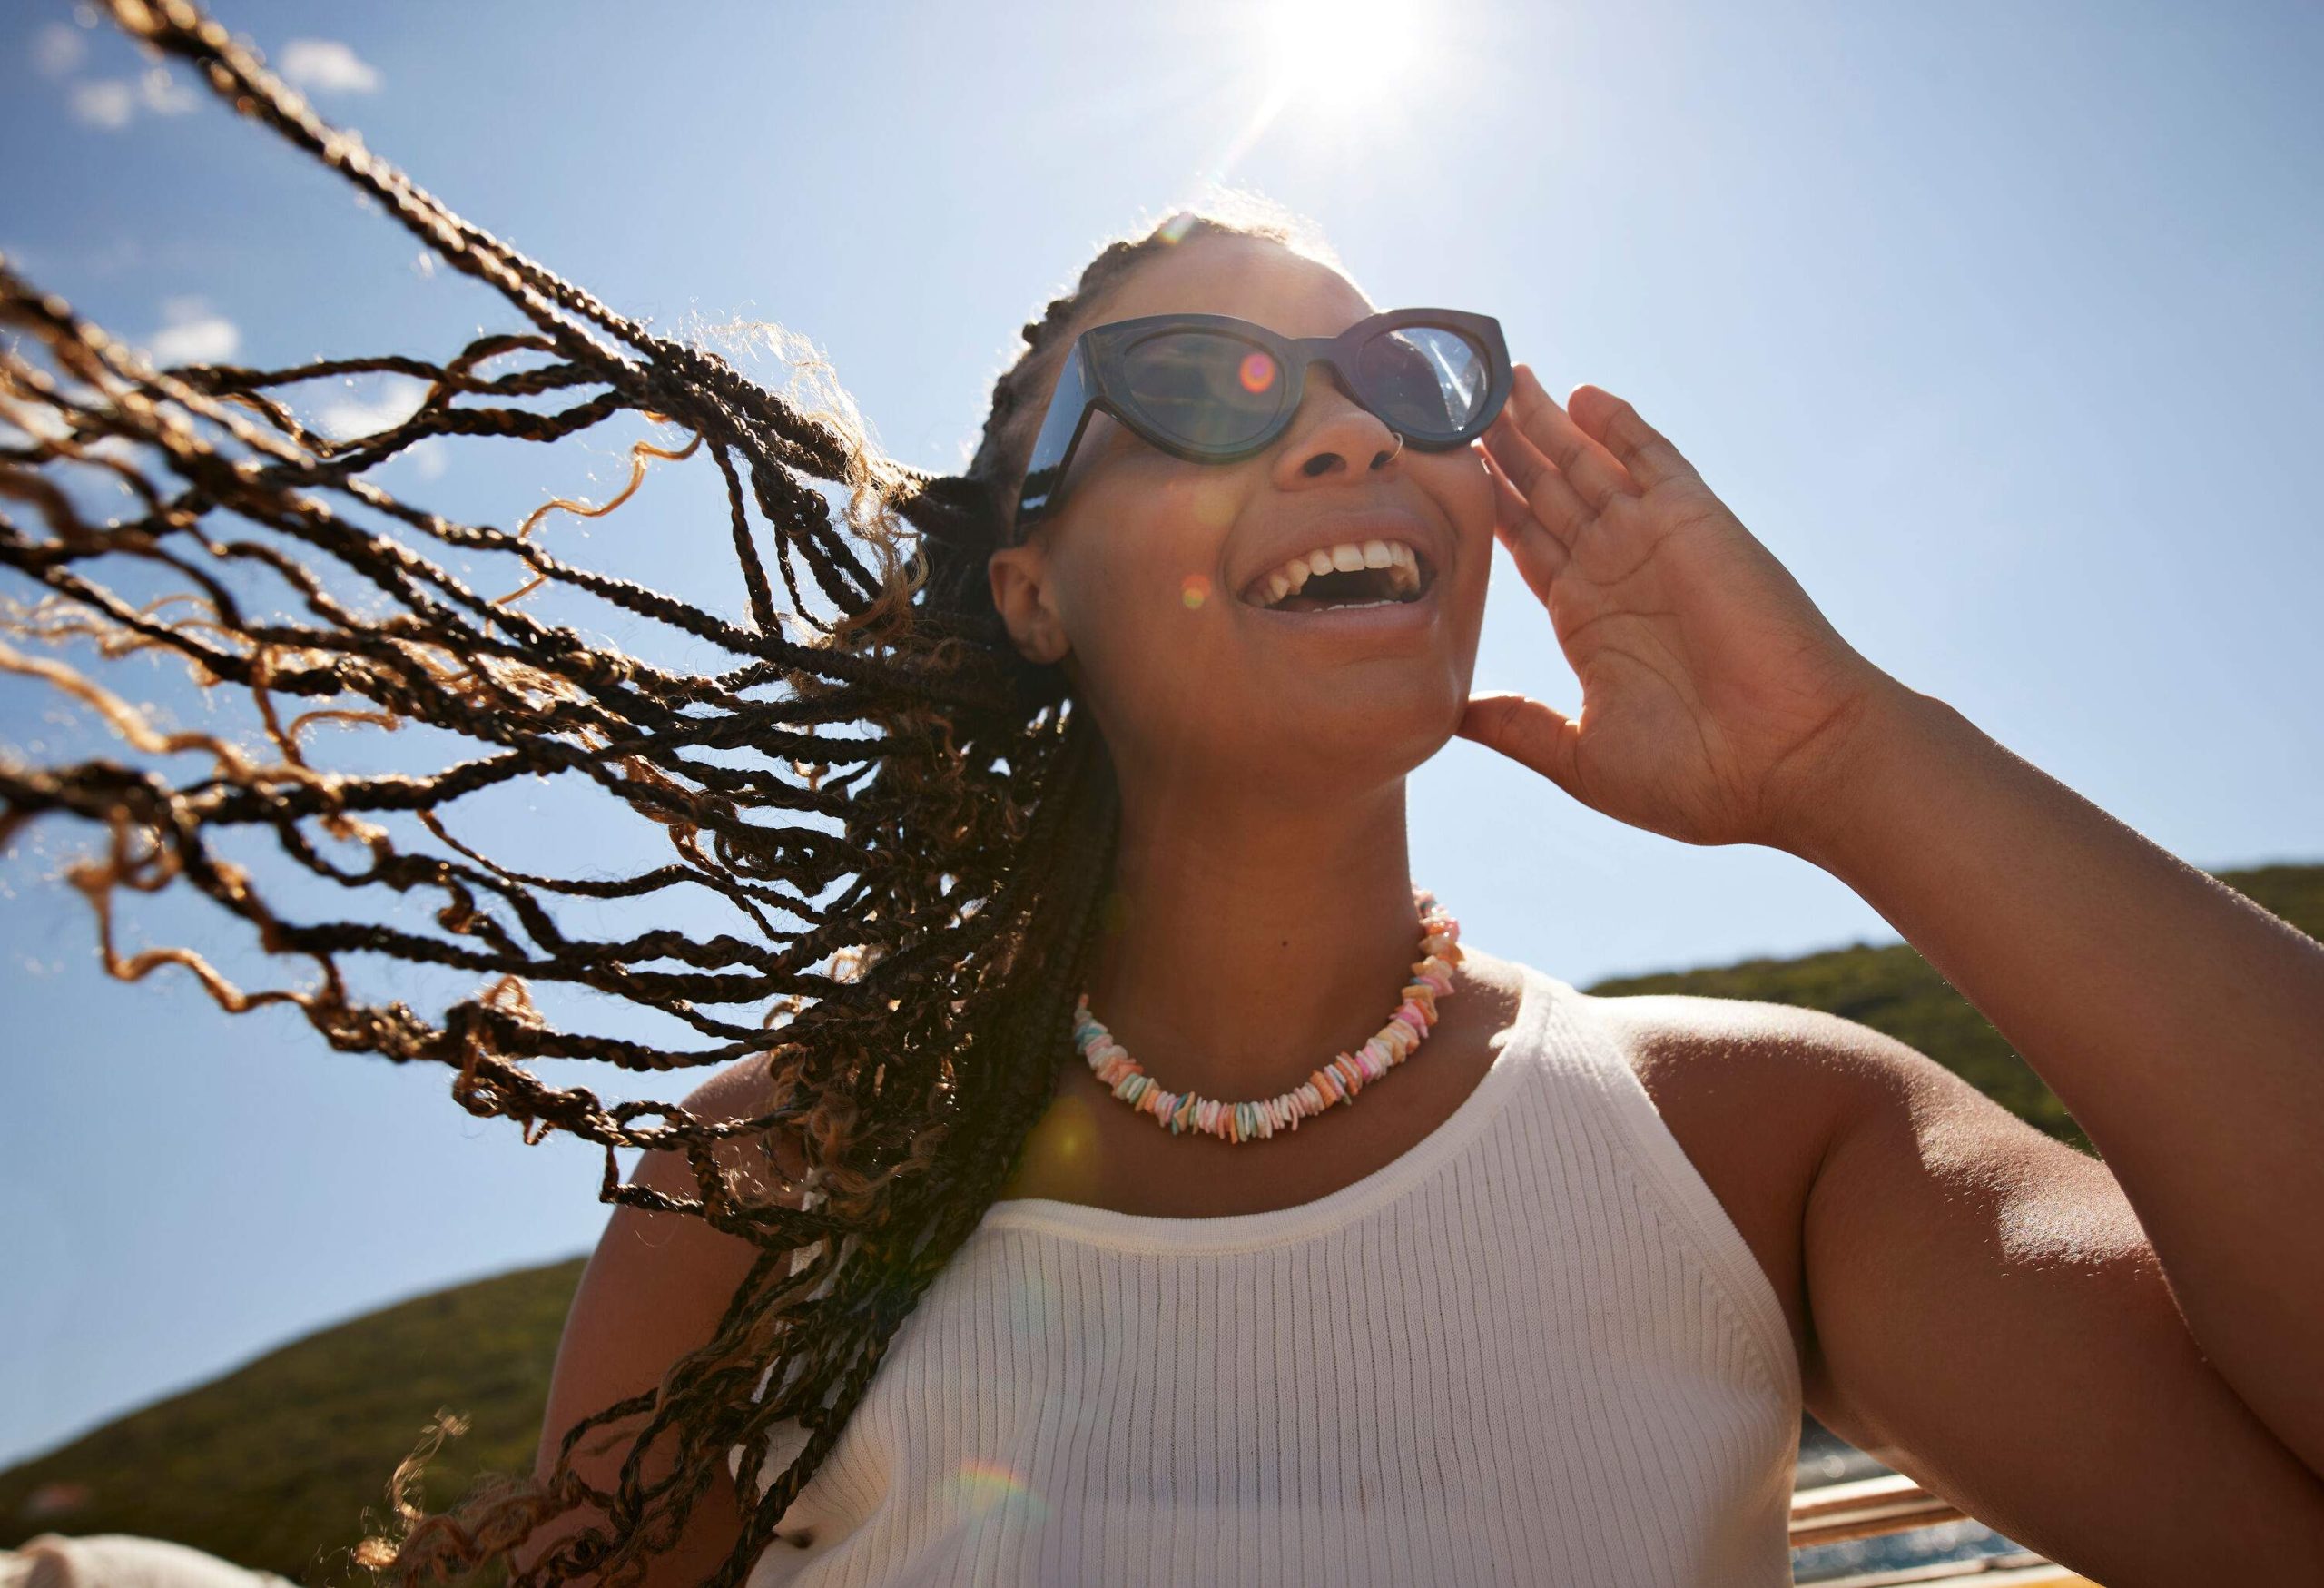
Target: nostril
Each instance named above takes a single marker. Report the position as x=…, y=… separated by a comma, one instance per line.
x=1321, y=464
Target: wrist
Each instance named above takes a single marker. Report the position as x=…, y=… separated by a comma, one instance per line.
x=1864, y=790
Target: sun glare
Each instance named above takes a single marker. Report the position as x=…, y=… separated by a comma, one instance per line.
x=1347, y=71
x=1335, y=54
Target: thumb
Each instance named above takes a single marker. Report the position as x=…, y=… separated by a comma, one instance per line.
x=1528, y=733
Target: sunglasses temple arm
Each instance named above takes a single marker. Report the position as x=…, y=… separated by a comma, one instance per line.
x=1054, y=447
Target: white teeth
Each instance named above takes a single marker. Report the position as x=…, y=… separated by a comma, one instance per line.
x=1399, y=561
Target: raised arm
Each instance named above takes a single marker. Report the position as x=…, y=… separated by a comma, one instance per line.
x=2179, y=1286
x=2183, y=1025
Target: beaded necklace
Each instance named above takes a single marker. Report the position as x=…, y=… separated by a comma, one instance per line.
x=1337, y=1083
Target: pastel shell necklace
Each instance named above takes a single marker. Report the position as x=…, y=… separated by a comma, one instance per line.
x=1337, y=1083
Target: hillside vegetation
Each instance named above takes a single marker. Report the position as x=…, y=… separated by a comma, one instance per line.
x=276, y=1464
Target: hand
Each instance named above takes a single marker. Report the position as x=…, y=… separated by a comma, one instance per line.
x=1717, y=705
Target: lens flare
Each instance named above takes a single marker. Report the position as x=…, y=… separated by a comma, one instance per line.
x=1195, y=591
x=1061, y=1156
x=1257, y=373
x=985, y=1485
x=1213, y=503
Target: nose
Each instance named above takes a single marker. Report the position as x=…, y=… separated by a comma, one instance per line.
x=1334, y=439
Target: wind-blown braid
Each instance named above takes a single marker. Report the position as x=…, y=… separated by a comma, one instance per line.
x=910, y=826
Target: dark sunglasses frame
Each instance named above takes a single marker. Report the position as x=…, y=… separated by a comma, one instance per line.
x=1095, y=380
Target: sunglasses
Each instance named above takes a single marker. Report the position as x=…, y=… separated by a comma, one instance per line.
x=1211, y=389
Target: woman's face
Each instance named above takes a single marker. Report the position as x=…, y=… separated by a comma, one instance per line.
x=1151, y=580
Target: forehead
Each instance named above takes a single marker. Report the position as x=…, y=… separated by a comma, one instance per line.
x=1249, y=278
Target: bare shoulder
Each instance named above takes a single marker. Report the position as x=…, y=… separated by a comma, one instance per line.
x=731, y=1095
x=653, y=1292
x=678, y=1257
x=1974, y=1303
x=1807, y=1048
x=1761, y=1088
x=1755, y=1094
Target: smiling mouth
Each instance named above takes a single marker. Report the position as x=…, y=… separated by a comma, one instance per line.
x=1349, y=575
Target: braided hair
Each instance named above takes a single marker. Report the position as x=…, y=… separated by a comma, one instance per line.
x=907, y=826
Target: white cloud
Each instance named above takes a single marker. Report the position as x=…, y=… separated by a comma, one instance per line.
x=394, y=400
x=163, y=94
x=327, y=66
x=192, y=333
x=431, y=458
x=104, y=102
x=57, y=49
x=112, y=103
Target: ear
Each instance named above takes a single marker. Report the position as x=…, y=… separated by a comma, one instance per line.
x=1026, y=598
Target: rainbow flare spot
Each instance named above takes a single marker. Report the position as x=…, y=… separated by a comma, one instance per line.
x=984, y=1487
x=1195, y=591
x=1257, y=372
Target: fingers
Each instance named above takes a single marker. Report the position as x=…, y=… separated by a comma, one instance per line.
x=1528, y=733
x=1640, y=448
x=1540, y=555
x=1596, y=475
x=1555, y=505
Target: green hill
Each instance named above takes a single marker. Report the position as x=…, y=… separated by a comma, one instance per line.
x=276, y=1464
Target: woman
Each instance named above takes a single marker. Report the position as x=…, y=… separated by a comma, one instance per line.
x=1092, y=795
x=1345, y=1384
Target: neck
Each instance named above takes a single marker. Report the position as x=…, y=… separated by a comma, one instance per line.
x=1248, y=944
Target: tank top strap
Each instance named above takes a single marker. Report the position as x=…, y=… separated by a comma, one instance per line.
x=1595, y=1088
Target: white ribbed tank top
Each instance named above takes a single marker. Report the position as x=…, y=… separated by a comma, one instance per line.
x=1531, y=1349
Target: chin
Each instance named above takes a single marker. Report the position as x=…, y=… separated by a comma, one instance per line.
x=1356, y=740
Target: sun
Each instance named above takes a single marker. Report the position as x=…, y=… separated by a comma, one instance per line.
x=1351, y=74
x=1338, y=55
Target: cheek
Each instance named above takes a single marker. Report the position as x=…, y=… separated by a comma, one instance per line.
x=1469, y=496
x=1155, y=657
x=1164, y=557
x=1465, y=494
x=1206, y=502
x=1147, y=586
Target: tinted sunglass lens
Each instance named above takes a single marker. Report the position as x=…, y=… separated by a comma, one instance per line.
x=1428, y=382
x=1204, y=389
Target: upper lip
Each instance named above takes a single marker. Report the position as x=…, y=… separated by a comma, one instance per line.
x=1352, y=527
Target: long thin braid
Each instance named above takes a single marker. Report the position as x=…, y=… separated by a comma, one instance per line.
x=908, y=827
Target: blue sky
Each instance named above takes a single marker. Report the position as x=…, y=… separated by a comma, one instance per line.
x=1998, y=324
